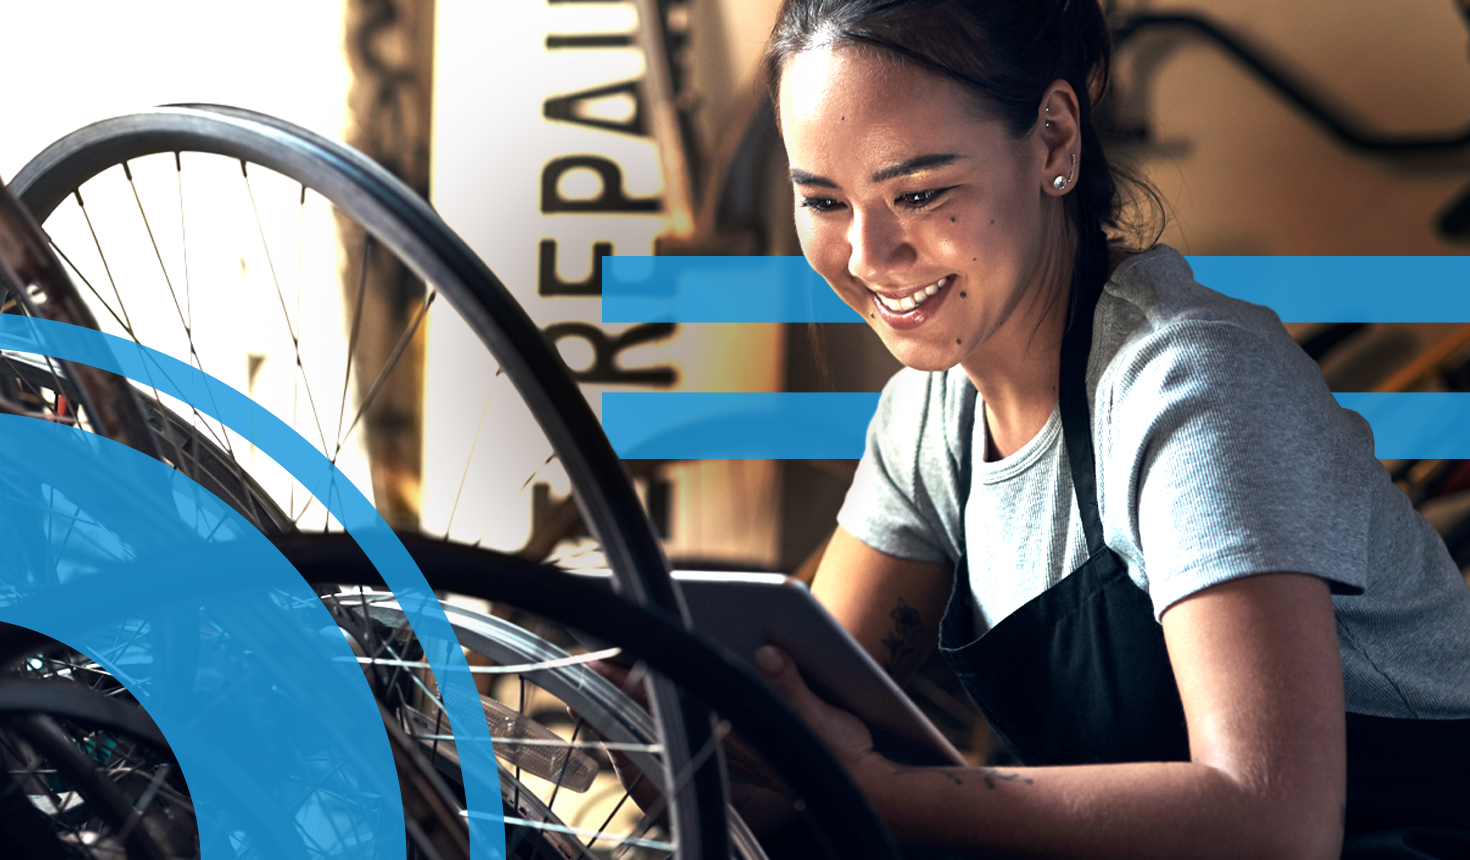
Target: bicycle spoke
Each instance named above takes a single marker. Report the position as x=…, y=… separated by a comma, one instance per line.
x=126, y=321
x=624, y=841
x=357, y=304
x=142, y=804
x=158, y=255
x=520, y=492
x=562, y=774
x=474, y=443
x=388, y=368
x=93, y=290
x=681, y=779
x=184, y=238
x=627, y=793
x=517, y=669
x=295, y=339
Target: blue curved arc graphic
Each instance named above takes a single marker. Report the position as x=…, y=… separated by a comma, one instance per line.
x=99, y=495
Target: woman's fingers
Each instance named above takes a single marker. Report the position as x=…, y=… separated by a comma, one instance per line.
x=629, y=680
x=844, y=733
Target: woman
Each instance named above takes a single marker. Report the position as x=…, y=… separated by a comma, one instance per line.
x=1185, y=562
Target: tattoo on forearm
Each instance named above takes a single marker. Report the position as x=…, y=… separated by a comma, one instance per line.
x=956, y=775
x=992, y=776
x=900, y=641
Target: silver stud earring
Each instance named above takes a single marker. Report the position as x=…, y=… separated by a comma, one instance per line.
x=1061, y=182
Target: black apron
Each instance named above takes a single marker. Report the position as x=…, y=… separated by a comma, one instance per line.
x=1080, y=675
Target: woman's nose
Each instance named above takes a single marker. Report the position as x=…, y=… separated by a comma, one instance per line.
x=878, y=248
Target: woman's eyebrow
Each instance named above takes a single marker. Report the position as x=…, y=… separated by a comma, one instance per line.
x=914, y=165
x=801, y=177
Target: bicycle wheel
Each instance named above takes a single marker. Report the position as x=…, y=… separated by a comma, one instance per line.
x=827, y=801
x=72, y=806
x=99, y=193
x=529, y=684
x=88, y=775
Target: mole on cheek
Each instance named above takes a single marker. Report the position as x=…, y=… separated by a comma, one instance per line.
x=992, y=220
x=962, y=295
x=951, y=220
x=956, y=340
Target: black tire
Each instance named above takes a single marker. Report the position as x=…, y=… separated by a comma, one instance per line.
x=837, y=809
x=404, y=224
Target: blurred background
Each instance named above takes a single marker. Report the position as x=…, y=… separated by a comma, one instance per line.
x=552, y=132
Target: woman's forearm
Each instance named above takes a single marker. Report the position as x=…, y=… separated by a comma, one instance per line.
x=891, y=606
x=1134, y=811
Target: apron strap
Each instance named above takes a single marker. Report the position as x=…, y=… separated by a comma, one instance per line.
x=1077, y=419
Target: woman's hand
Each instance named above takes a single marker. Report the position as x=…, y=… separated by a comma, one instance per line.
x=846, y=736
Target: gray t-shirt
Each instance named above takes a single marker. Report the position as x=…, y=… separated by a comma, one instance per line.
x=1220, y=454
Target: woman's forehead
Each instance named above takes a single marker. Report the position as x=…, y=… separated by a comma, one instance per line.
x=854, y=103
x=857, y=83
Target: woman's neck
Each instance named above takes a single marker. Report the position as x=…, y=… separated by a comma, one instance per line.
x=1016, y=373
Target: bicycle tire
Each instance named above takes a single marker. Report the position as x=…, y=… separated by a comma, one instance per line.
x=85, y=743
x=842, y=813
x=400, y=221
x=611, y=712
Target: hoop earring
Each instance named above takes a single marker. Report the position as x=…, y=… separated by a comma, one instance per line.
x=1061, y=182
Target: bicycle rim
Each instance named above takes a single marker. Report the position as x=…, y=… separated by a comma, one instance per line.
x=56, y=187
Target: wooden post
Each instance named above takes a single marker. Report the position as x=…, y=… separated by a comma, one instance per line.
x=389, y=48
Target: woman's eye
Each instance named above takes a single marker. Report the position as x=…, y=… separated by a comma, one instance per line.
x=920, y=199
x=820, y=204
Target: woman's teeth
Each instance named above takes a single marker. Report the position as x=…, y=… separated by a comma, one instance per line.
x=909, y=302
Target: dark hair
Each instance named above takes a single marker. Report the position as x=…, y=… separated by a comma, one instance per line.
x=1006, y=53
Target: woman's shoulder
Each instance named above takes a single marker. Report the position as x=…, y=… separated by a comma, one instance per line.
x=1155, y=318
x=926, y=413
x=1156, y=290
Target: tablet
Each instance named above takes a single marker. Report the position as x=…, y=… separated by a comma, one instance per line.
x=743, y=611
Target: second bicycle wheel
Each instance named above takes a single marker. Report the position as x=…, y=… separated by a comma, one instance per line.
x=245, y=247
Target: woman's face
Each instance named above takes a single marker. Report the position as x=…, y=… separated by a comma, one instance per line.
x=928, y=219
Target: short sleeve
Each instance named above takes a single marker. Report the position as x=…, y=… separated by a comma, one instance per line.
x=1239, y=461
x=904, y=498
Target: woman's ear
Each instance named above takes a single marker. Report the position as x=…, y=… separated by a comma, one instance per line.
x=1059, y=134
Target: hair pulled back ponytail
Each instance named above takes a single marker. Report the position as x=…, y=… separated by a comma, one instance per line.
x=1006, y=53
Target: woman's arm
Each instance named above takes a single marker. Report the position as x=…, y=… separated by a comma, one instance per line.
x=892, y=606
x=1259, y=674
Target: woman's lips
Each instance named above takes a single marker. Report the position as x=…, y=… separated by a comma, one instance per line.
x=912, y=300
x=922, y=304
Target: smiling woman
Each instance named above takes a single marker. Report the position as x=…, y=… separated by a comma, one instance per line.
x=1159, y=557
x=898, y=234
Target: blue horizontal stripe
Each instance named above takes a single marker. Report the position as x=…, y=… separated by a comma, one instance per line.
x=1415, y=426
x=717, y=289
x=822, y=426
x=785, y=289
x=1345, y=289
x=737, y=426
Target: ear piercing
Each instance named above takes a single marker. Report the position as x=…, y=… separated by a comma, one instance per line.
x=1061, y=182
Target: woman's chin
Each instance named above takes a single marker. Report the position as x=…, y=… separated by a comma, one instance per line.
x=927, y=359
